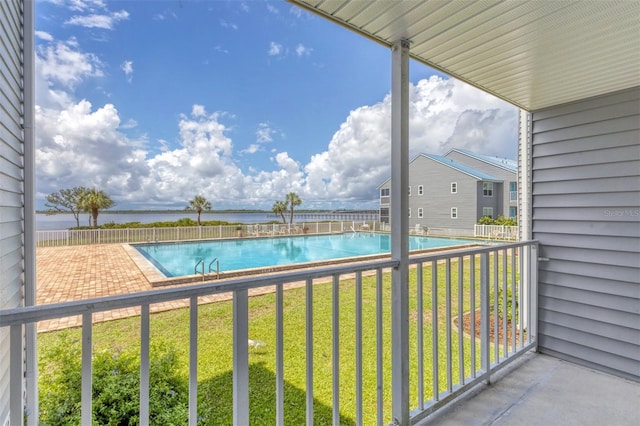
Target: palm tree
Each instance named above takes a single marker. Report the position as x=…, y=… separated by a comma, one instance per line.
x=279, y=207
x=198, y=204
x=93, y=200
x=294, y=200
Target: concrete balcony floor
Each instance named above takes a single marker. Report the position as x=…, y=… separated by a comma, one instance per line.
x=544, y=390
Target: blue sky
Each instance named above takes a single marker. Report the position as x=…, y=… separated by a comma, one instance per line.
x=239, y=101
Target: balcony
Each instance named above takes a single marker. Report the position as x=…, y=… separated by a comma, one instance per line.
x=429, y=360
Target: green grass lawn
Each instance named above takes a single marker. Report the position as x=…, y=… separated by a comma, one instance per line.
x=171, y=330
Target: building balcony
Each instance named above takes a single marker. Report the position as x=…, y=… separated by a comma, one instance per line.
x=421, y=360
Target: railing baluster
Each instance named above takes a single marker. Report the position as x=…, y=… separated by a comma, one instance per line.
x=505, y=310
x=87, y=370
x=379, y=350
x=521, y=296
x=533, y=295
x=448, y=324
x=496, y=314
x=309, y=350
x=472, y=313
x=240, y=358
x=193, y=360
x=514, y=301
x=434, y=327
x=336, y=348
x=460, y=319
x=144, y=365
x=420, y=331
x=359, y=348
x=485, y=348
x=279, y=356
x=16, y=376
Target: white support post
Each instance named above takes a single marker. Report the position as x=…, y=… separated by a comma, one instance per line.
x=31, y=353
x=400, y=231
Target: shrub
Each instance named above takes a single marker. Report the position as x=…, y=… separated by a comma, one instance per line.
x=500, y=220
x=116, y=387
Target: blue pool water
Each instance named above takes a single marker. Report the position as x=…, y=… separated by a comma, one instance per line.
x=179, y=259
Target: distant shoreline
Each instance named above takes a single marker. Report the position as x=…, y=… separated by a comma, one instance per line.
x=178, y=211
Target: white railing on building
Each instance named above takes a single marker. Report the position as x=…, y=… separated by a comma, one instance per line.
x=71, y=237
x=496, y=232
x=513, y=196
x=475, y=283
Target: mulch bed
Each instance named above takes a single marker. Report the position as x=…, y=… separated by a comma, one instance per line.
x=466, y=323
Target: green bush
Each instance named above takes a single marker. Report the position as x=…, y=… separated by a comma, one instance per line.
x=500, y=220
x=116, y=387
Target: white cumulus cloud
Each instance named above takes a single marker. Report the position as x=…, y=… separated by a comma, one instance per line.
x=127, y=67
x=103, y=21
x=275, y=49
x=302, y=50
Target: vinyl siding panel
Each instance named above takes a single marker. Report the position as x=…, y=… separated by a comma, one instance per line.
x=505, y=175
x=438, y=199
x=586, y=215
x=11, y=179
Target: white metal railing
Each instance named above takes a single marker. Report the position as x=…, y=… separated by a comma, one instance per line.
x=70, y=237
x=467, y=286
x=496, y=232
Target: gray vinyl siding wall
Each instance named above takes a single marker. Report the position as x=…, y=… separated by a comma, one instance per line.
x=438, y=199
x=586, y=215
x=497, y=172
x=495, y=202
x=11, y=179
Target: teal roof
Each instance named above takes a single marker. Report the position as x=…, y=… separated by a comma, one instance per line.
x=462, y=168
x=504, y=163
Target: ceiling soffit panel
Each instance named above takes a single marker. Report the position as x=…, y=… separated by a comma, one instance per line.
x=533, y=54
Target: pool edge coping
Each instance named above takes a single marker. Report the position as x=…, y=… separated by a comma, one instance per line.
x=157, y=279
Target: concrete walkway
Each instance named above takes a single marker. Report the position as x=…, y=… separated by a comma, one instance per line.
x=546, y=391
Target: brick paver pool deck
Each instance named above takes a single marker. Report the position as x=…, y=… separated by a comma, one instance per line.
x=84, y=272
x=71, y=273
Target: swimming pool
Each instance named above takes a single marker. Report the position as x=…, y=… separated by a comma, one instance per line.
x=179, y=259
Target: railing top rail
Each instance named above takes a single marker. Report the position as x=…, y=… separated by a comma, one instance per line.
x=30, y=314
x=469, y=251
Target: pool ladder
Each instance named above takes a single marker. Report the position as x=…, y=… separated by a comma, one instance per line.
x=201, y=262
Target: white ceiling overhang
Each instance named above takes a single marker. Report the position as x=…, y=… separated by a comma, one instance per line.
x=534, y=54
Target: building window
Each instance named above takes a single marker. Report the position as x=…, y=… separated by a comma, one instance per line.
x=487, y=189
x=487, y=211
x=420, y=190
x=384, y=215
x=513, y=191
x=454, y=212
x=409, y=211
x=420, y=212
x=454, y=187
x=513, y=212
x=384, y=192
x=409, y=190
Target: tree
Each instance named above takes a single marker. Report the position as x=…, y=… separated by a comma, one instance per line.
x=279, y=207
x=198, y=204
x=94, y=200
x=294, y=200
x=66, y=200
